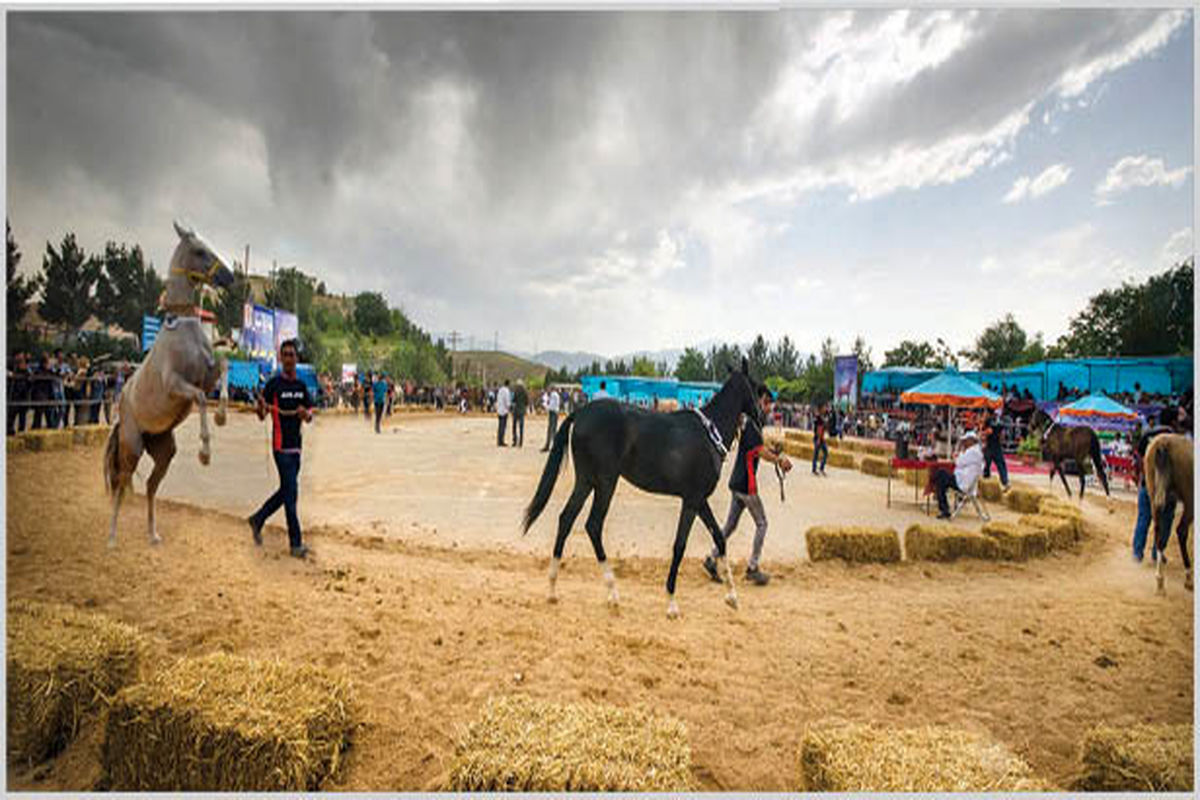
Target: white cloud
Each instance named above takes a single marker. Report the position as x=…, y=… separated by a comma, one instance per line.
x=1132, y=172
x=1179, y=246
x=990, y=264
x=1077, y=79
x=1050, y=179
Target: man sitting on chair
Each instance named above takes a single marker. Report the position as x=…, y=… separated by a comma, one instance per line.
x=967, y=468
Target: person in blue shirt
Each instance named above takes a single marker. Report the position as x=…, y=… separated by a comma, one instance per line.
x=380, y=390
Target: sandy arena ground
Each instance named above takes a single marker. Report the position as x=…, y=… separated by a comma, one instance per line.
x=424, y=592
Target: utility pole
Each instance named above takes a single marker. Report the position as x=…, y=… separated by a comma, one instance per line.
x=495, y=341
x=453, y=337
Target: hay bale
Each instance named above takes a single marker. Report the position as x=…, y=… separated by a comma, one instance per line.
x=840, y=460
x=798, y=436
x=1017, y=542
x=795, y=450
x=875, y=449
x=991, y=490
x=1054, y=507
x=227, y=723
x=1023, y=499
x=63, y=664
x=16, y=444
x=916, y=477
x=863, y=758
x=526, y=745
x=873, y=465
x=89, y=435
x=853, y=543
x=44, y=439
x=1142, y=758
x=932, y=541
x=1061, y=532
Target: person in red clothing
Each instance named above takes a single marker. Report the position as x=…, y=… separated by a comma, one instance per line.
x=820, y=448
x=289, y=402
x=744, y=485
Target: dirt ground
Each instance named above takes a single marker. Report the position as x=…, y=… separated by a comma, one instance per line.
x=423, y=591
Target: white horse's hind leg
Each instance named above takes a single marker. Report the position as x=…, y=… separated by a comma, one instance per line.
x=162, y=449
x=220, y=416
x=116, y=508
x=1158, y=574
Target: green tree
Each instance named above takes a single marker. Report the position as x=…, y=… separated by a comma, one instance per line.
x=910, y=353
x=127, y=289
x=1001, y=345
x=643, y=367
x=291, y=290
x=784, y=360
x=759, y=356
x=21, y=289
x=231, y=304
x=691, y=366
x=371, y=314
x=70, y=282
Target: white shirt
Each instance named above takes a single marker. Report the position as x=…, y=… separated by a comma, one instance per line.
x=552, y=402
x=600, y=394
x=968, y=467
x=503, y=401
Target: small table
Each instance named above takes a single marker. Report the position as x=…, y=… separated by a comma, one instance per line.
x=915, y=464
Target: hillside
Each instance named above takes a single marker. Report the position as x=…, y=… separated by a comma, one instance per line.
x=496, y=365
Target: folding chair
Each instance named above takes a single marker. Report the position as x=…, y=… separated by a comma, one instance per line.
x=961, y=498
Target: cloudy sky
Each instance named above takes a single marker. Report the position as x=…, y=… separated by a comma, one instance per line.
x=610, y=181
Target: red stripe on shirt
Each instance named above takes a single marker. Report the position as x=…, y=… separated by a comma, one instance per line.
x=751, y=477
x=278, y=426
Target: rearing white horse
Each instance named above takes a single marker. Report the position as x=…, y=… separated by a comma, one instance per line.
x=179, y=371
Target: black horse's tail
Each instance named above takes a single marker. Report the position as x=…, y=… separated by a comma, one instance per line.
x=1098, y=463
x=554, y=465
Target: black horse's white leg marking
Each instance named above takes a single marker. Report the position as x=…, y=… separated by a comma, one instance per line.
x=686, y=516
x=565, y=521
x=723, y=566
x=595, y=528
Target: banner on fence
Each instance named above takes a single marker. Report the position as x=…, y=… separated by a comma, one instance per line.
x=258, y=332
x=349, y=372
x=287, y=326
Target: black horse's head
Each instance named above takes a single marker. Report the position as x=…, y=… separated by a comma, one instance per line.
x=745, y=392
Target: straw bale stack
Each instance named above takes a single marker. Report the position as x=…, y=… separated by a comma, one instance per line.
x=863, y=758
x=63, y=665
x=1024, y=499
x=798, y=450
x=1061, y=532
x=991, y=490
x=798, y=436
x=840, y=460
x=1142, y=758
x=874, y=465
x=853, y=543
x=874, y=449
x=227, y=723
x=916, y=477
x=1017, y=542
x=1054, y=507
x=16, y=444
x=934, y=541
x=90, y=435
x=45, y=439
x=526, y=745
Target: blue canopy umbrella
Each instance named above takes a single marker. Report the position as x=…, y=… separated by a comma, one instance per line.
x=1099, y=412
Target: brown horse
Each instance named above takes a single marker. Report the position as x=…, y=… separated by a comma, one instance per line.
x=1061, y=443
x=1168, y=466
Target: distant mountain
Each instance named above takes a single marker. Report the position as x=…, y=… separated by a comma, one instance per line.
x=496, y=365
x=557, y=359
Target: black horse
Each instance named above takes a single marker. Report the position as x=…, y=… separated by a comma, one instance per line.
x=1061, y=443
x=675, y=454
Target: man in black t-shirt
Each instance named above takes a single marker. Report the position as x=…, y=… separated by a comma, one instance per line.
x=288, y=400
x=744, y=485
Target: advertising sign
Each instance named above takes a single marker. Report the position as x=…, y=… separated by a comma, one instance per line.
x=845, y=380
x=258, y=333
x=287, y=326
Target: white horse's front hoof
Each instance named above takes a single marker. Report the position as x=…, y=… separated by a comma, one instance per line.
x=1162, y=589
x=155, y=539
x=672, y=610
x=219, y=418
x=204, y=458
x=614, y=601
x=552, y=598
x=732, y=601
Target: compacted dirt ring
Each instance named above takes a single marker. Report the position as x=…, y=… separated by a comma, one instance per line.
x=423, y=592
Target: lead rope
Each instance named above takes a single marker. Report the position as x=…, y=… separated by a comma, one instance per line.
x=779, y=473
